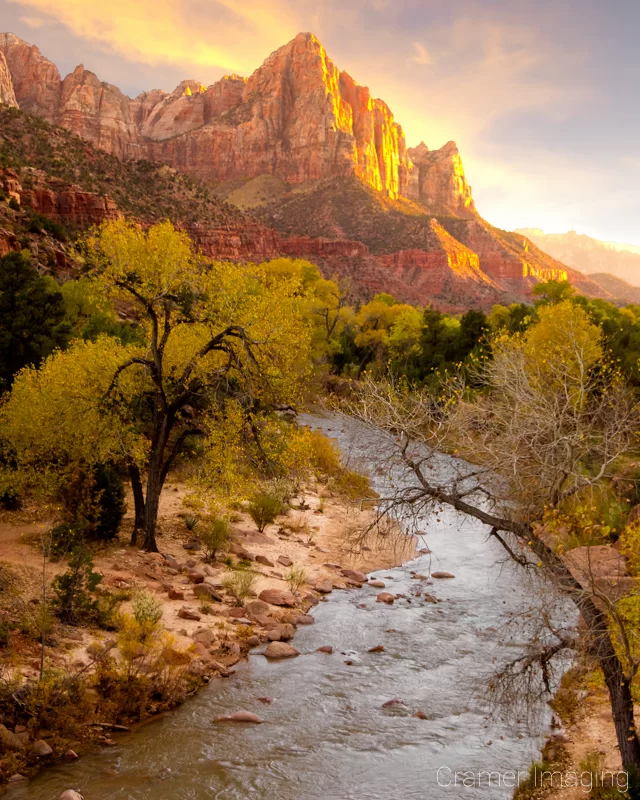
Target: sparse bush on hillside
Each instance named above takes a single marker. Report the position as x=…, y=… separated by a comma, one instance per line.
x=239, y=584
x=264, y=507
x=214, y=534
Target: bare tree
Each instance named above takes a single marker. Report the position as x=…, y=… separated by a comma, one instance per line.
x=550, y=421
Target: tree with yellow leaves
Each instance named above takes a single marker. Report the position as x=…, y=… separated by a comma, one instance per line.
x=214, y=336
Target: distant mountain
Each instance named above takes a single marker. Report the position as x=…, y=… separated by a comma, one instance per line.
x=322, y=168
x=589, y=255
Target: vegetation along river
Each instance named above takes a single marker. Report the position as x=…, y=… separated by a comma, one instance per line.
x=326, y=736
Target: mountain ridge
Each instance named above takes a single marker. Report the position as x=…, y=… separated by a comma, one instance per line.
x=323, y=166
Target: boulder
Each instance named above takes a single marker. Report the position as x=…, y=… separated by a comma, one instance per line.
x=280, y=650
x=277, y=597
x=175, y=594
x=41, y=749
x=71, y=755
x=257, y=608
x=442, y=575
x=71, y=794
x=195, y=576
x=385, y=597
x=324, y=586
x=10, y=740
x=303, y=619
x=377, y=584
x=354, y=575
x=266, y=562
x=285, y=561
x=326, y=648
x=205, y=591
x=188, y=613
x=205, y=636
x=240, y=716
x=236, y=612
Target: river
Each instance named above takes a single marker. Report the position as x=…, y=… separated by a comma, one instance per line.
x=326, y=735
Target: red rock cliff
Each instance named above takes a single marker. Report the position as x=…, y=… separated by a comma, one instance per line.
x=297, y=117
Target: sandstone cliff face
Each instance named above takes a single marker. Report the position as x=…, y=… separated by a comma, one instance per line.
x=438, y=181
x=298, y=117
x=98, y=112
x=7, y=95
x=36, y=81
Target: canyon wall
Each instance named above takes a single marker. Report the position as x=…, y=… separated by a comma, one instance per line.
x=297, y=117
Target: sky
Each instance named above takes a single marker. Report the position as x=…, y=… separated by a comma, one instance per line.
x=541, y=96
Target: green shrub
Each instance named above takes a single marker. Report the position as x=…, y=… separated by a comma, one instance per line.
x=64, y=538
x=14, y=205
x=264, y=508
x=10, y=499
x=74, y=591
x=94, y=499
x=296, y=577
x=239, y=584
x=191, y=522
x=214, y=535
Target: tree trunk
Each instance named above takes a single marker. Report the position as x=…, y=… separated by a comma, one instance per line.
x=151, y=505
x=622, y=712
x=138, y=502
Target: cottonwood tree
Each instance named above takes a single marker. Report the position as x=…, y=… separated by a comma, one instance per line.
x=215, y=336
x=552, y=422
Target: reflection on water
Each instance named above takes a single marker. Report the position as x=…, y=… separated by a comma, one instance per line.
x=327, y=736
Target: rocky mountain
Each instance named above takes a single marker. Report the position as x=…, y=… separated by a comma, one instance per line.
x=589, y=255
x=322, y=167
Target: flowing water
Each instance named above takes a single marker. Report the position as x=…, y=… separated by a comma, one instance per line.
x=326, y=736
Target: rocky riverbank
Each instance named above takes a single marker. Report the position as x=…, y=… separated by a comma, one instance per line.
x=317, y=537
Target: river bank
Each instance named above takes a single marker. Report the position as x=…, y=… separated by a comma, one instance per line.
x=317, y=536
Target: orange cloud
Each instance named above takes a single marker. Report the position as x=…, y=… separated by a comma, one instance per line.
x=230, y=34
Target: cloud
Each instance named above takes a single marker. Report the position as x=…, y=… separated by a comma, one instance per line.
x=34, y=22
x=420, y=54
x=229, y=34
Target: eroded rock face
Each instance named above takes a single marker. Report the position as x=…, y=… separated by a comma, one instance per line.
x=298, y=117
x=7, y=95
x=437, y=179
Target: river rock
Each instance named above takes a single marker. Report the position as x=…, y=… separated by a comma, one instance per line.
x=71, y=755
x=266, y=562
x=280, y=650
x=430, y=598
x=253, y=641
x=205, y=591
x=277, y=597
x=17, y=778
x=205, y=636
x=420, y=715
x=266, y=700
x=303, y=619
x=324, y=586
x=385, y=597
x=41, y=749
x=257, y=608
x=285, y=561
x=354, y=575
x=442, y=575
x=188, y=613
x=379, y=648
x=392, y=703
x=9, y=740
x=377, y=584
x=71, y=794
x=326, y=648
x=240, y=716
